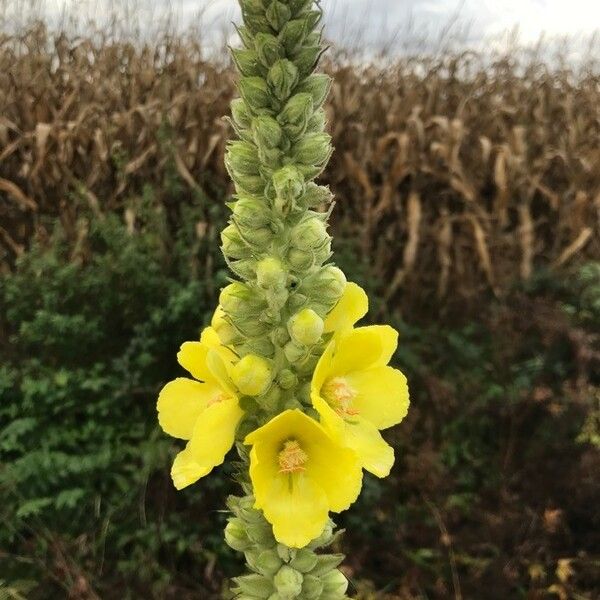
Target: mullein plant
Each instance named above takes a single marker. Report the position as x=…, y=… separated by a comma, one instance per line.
x=282, y=372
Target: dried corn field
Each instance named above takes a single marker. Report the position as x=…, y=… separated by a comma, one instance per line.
x=455, y=179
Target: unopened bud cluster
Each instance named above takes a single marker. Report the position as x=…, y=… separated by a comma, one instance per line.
x=279, y=572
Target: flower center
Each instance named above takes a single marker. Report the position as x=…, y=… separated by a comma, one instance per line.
x=216, y=398
x=339, y=395
x=292, y=458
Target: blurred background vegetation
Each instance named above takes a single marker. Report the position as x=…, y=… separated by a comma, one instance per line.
x=468, y=197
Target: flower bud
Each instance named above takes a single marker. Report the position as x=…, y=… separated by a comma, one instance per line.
x=253, y=586
x=267, y=563
x=244, y=268
x=306, y=60
x=260, y=238
x=317, y=122
x=282, y=79
x=293, y=34
x=313, y=149
x=246, y=36
x=287, y=379
x=260, y=533
x=242, y=158
x=288, y=583
x=240, y=113
x=278, y=14
x=299, y=6
x=270, y=273
x=306, y=327
x=246, y=61
x=300, y=260
x=317, y=86
x=312, y=587
x=282, y=337
x=268, y=49
x=327, y=285
x=251, y=212
x=293, y=352
x=255, y=92
x=304, y=561
x=267, y=132
x=235, y=535
x=296, y=114
x=259, y=345
x=297, y=301
x=324, y=539
x=252, y=375
x=335, y=584
x=326, y=562
x=289, y=185
x=238, y=299
x=248, y=324
x=256, y=23
x=309, y=234
x=226, y=332
x=232, y=244
x=249, y=184
x=315, y=195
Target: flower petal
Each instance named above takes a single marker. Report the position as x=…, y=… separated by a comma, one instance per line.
x=337, y=470
x=382, y=395
x=375, y=454
x=333, y=423
x=192, y=357
x=351, y=307
x=186, y=470
x=360, y=349
x=297, y=508
x=323, y=368
x=180, y=403
x=214, y=433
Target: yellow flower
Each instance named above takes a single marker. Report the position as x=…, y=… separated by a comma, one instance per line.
x=351, y=307
x=299, y=474
x=205, y=410
x=356, y=393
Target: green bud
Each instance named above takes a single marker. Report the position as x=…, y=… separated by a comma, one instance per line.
x=296, y=114
x=235, y=535
x=328, y=284
x=293, y=34
x=317, y=86
x=289, y=185
x=246, y=36
x=252, y=7
x=268, y=49
x=255, y=586
x=304, y=561
x=267, y=132
x=278, y=14
x=256, y=23
x=334, y=584
x=251, y=212
x=313, y=149
x=244, y=268
x=242, y=158
x=267, y=563
x=306, y=60
x=322, y=253
x=293, y=352
x=240, y=113
x=225, y=330
x=259, y=345
x=324, y=539
x=300, y=260
x=297, y=301
x=249, y=184
x=299, y=6
x=252, y=375
x=310, y=233
x=255, y=92
x=317, y=122
x=326, y=562
x=306, y=327
x=236, y=298
x=288, y=582
x=282, y=337
x=312, y=587
x=270, y=273
x=232, y=244
x=287, y=379
x=282, y=79
x=248, y=324
x=315, y=196
x=260, y=533
x=270, y=401
x=246, y=61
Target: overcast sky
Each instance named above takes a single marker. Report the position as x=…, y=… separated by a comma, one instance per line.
x=373, y=23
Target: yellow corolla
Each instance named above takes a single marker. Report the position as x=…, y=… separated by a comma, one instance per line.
x=356, y=393
x=351, y=307
x=205, y=410
x=299, y=474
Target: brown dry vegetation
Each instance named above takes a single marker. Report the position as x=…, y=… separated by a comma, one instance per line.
x=457, y=178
